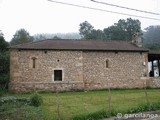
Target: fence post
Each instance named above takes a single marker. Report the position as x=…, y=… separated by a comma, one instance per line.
x=110, y=100
x=58, y=106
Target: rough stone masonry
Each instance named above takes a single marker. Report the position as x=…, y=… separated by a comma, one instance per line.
x=83, y=65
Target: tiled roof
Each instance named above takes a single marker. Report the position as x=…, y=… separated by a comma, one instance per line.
x=65, y=44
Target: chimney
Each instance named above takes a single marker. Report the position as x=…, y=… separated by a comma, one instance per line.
x=137, y=39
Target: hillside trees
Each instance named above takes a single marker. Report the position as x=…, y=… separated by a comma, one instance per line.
x=21, y=36
x=152, y=37
x=122, y=30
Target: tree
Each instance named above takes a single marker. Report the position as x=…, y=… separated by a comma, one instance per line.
x=56, y=37
x=4, y=62
x=21, y=36
x=39, y=37
x=151, y=37
x=95, y=35
x=123, y=30
x=3, y=44
x=85, y=29
x=115, y=33
x=132, y=27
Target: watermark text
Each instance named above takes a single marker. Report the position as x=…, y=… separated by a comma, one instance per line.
x=138, y=115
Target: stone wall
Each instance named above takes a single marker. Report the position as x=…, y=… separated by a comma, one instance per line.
x=125, y=69
x=81, y=70
x=25, y=87
x=155, y=82
x=22, y=72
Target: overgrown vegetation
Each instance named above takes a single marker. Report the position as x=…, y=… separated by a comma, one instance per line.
x=18, y=108
x=4, y=63
x=91, y=105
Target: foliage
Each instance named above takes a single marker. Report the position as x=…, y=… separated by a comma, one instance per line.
x=14, y=99
x=123, y=30
x=4, y=80
x=4, y=62
x=3, y=44
x=56, y=37
x=21, y=36
x=85, y=29
x=115, y=33
x=19, y=111
x=131, y=26
x=95, y=35
x=145, y=107
x=93, y=116
x=152, y=37
x=36, y=100
x=14, y=107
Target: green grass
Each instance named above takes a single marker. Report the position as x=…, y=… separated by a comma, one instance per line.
x=92, y=103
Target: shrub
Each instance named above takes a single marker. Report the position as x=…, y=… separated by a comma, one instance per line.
x=4, y=80
x=14, y=99
x=96, y=115
x=19, y=111
x=36, y=100
x=145, y=107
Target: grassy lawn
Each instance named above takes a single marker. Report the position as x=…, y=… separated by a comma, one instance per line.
x=73, y=104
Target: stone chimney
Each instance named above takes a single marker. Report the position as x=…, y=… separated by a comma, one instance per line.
x=137, y=39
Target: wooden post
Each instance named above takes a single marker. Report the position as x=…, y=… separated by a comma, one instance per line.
x=109, y=100
x=145, y=90
x=58, y=106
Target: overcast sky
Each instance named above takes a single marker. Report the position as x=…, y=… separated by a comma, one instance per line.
x=42, y=16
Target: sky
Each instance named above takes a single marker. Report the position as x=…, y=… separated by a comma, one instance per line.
x=43, y=16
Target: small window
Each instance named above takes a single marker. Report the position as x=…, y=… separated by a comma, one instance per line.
x=33, y=62
x=57, y=75
x=107, y=65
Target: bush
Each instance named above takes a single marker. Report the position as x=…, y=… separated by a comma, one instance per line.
x=20, y=111
x=4, y=80
x=145, y=107
x=36, y=100
x=96, y=115
x=14, y=99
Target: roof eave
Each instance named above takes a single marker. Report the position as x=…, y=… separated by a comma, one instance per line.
x=109, y=50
